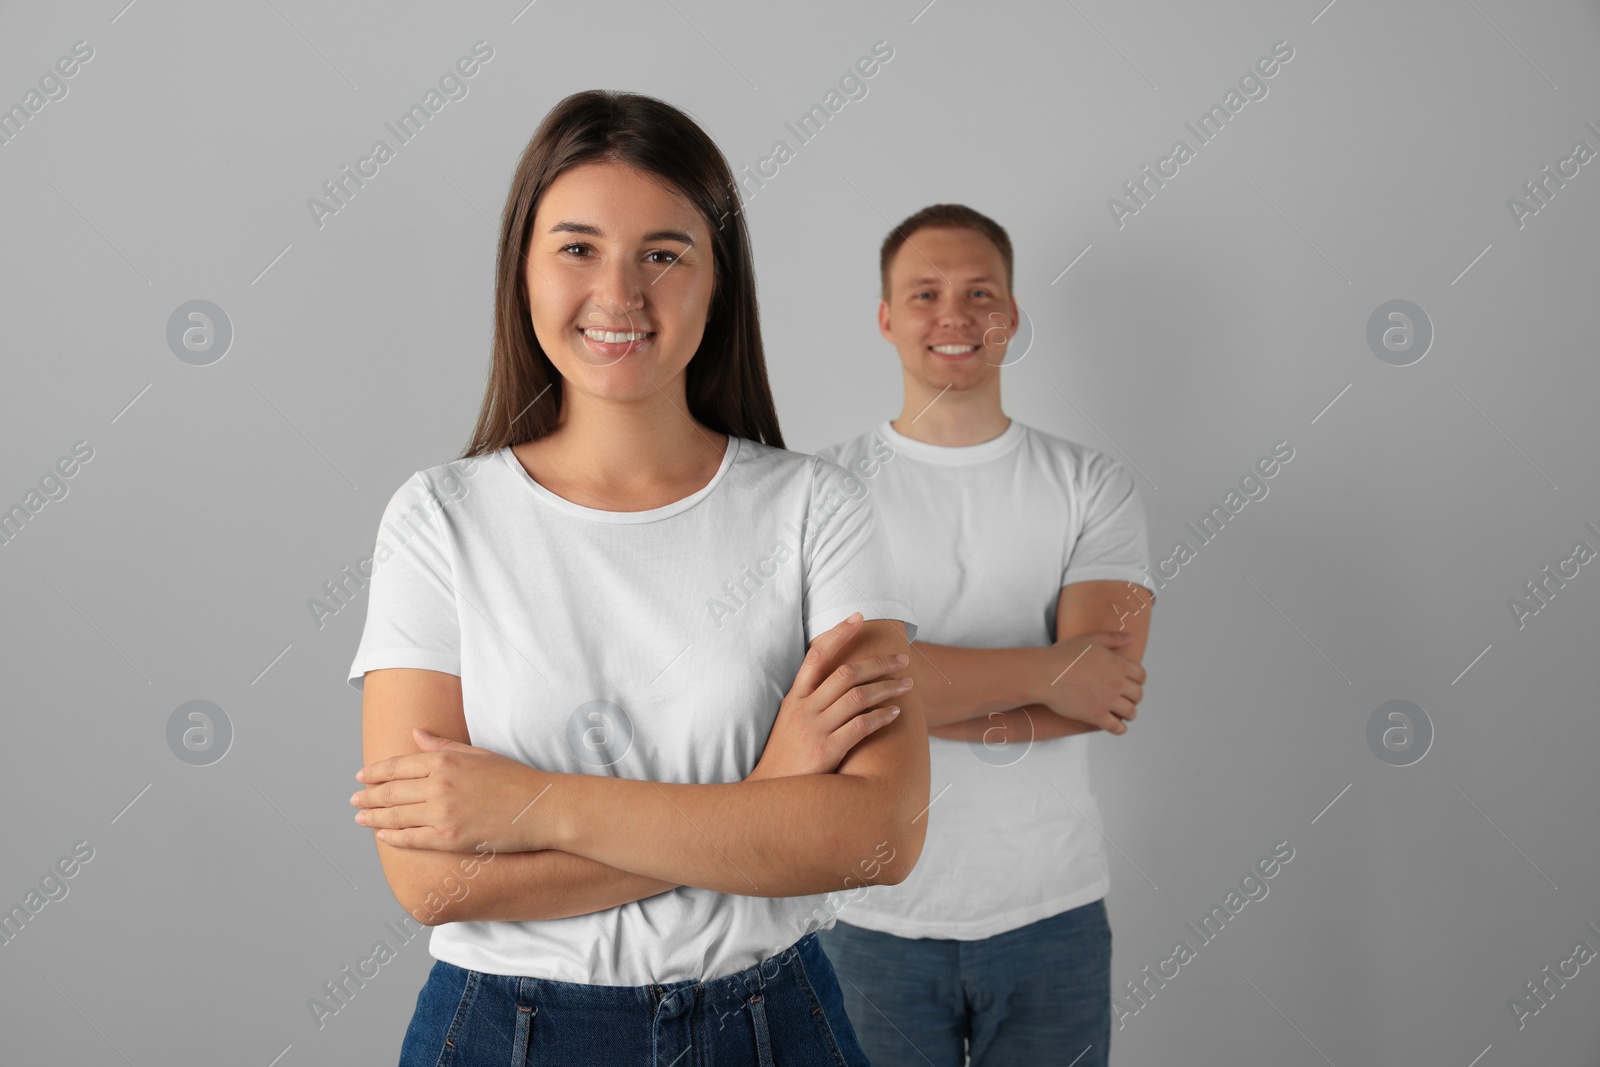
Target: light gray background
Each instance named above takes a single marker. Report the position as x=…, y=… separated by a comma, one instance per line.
x=1227, y=315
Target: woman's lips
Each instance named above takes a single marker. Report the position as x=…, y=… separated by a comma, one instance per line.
x=617, y=349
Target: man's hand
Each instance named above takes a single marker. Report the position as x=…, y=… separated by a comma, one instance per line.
x=453, y=797
x=1087, y=681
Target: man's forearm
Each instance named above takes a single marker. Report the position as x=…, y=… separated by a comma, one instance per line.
x=1031, y=722
x=773, y=837
x=958, y=683
x=518, y=886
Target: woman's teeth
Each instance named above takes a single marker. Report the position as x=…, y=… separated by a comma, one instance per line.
x=610, y=338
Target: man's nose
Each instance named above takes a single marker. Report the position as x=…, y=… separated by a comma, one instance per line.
x=955, y=310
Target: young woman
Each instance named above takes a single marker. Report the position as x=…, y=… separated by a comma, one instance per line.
x=600, y=760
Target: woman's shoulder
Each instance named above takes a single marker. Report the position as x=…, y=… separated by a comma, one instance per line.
x=449, y=482
x=785, y=464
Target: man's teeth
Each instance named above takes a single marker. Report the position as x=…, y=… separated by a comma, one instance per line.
x=954, y=350
x=607, y=337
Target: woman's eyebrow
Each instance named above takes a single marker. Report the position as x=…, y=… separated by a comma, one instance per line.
x=594, y=231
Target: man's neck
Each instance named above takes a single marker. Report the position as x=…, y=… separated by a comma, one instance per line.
x=951, y=422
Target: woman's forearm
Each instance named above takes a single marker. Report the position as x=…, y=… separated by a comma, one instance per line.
x=772, y=837
x=516, y=886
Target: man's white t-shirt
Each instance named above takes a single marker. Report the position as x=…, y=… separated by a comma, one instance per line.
x=984, y=537
x=653, y=645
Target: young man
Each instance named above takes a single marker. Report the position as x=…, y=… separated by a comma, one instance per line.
x=1023, y=554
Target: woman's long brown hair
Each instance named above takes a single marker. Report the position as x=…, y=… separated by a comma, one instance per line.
x=726, y=380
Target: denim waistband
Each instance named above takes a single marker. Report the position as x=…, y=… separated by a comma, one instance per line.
x=665, y=1000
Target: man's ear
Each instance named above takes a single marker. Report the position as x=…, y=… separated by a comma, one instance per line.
x=883, y=321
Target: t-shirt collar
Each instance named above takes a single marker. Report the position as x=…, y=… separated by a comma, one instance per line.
x=953, y=455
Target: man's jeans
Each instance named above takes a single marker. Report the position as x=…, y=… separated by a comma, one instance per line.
x=1039, y=994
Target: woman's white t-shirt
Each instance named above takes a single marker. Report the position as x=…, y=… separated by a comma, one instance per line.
x=650, y=645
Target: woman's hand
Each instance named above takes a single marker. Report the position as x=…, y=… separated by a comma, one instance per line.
x=452, y=797
x=828, y=712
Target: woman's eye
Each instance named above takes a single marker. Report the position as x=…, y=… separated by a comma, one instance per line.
x=566, y=248
x=671, y=257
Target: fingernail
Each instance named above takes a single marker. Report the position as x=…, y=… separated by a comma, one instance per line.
x=856, y=617
x=892, y=710
x=901, y=658
x=355, y=798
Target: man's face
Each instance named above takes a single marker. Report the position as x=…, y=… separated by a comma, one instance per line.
x=950, y=313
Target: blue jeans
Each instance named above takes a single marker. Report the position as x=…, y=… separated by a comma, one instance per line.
x=785, y=1010
x=1034, y=995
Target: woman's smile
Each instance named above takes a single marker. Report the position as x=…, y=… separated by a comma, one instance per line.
x=615, y=344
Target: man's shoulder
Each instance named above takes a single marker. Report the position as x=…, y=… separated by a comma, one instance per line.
x=1077, y=459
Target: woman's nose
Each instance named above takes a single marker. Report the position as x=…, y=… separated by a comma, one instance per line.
x=621, y=289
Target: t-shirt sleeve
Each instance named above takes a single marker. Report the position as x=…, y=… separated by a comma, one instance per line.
x=849, y=566
x=1112, y=543
x=412, y=619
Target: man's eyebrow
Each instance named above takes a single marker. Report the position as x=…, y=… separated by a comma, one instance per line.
x=935, y=281
x=594, y=231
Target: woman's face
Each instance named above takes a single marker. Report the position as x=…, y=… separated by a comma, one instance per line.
x=620, y=277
